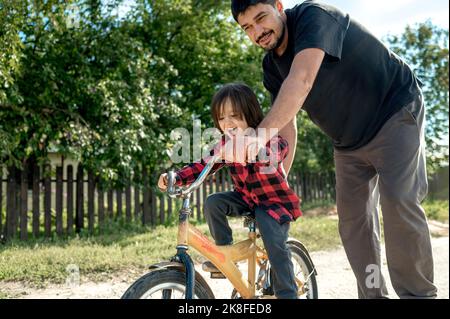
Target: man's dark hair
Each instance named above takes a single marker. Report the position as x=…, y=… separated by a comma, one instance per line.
x=240, y=6
x=244, y=101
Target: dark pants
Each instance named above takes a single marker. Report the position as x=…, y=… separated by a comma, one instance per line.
x=219, y=206
x=390, y=170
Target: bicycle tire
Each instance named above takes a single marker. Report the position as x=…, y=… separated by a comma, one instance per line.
x=168, y=278
x=303, y=255
x=312, y=293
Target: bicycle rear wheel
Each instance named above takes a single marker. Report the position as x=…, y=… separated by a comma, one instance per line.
x=166, y=284
x=303, y=270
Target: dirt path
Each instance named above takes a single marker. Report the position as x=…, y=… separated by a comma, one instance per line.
x=335, y=279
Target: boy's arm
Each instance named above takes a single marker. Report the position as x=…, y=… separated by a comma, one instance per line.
x=188, y=174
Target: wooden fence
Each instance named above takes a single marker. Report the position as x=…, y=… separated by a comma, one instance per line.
x=33, y=203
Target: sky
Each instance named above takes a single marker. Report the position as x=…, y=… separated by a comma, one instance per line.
x=383, y=17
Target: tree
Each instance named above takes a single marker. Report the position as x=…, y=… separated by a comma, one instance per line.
x=108, y=90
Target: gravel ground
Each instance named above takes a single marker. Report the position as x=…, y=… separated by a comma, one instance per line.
x=335, y=280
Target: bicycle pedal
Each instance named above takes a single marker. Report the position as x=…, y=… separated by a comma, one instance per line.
x=217, y=275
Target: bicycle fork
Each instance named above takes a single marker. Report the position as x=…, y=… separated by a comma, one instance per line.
x=182, y=256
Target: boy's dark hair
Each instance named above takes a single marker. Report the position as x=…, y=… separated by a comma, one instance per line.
x=244, y=102
x=240, y=6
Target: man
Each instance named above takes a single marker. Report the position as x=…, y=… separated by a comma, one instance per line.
x=368, y=101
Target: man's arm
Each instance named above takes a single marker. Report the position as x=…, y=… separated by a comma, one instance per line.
x=289, y=132
x=294, y=90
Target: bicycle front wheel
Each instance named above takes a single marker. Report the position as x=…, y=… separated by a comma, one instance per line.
x=166, y=284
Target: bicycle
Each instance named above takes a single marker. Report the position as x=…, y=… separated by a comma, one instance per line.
x=178, y=278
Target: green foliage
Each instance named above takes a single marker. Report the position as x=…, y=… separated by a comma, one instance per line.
x=107, y=90
x=314, y=149
x=436, y=210
x=425, y=48
x=78, y=79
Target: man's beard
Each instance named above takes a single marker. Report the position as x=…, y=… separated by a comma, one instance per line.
x=279, y=40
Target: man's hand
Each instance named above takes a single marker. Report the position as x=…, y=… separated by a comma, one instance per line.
x=254, y=144
x=233, y=151
x=163, y=182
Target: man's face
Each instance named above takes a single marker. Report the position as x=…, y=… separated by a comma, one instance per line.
x=264, y=25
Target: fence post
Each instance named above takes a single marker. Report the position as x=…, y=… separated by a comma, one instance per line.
x=91, y=195
x=146, y=199
x=317, y=186
x=217, y=182
x=47, y=201
x=119, y=203
x=291, y=182
x=222, y=177
x=100, y=202
x=322, y=186
x=169, y=208
x=110, y=203
x=70, y=199
x=24, y=203
x=210, y=184
x=316, y=178
x=306, y=186
x=79, y=221
x=36, y=199
x=162, y=209
x=298, y=184
x=137, y=202
x=10, y=227
x=59, y=200
x=153, y=208
x=128, y=202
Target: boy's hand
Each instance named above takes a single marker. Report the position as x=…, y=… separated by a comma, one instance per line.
x=163, y=182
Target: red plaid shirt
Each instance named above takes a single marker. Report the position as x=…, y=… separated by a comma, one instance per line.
x=261, y=184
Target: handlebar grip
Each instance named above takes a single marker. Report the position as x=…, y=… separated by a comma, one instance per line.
x=173, y=192
x=171, y=180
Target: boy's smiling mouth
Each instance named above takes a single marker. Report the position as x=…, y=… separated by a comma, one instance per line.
x=232, y=131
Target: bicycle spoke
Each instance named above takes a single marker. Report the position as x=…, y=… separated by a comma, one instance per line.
x=167, y=294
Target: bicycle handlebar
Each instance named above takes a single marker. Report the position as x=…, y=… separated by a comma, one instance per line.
x=176, y=192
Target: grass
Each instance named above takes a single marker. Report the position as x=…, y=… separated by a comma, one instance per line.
x=437, y=210
x=4, y=295
x=119, y=248
x=123, y=248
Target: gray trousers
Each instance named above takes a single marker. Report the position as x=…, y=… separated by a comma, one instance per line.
x=219, y=206
x=390, y=171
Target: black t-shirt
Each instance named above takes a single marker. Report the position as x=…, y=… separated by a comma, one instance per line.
x=360, y=84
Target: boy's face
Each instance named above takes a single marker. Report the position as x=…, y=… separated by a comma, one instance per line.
x=264, y=25
x=230, y=122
